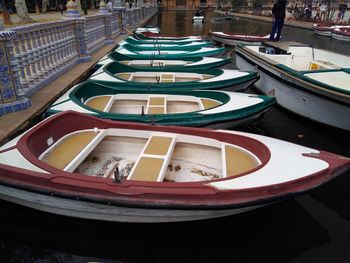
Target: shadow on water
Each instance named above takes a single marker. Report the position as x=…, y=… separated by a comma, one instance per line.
x=311, y=228
x=268, y=234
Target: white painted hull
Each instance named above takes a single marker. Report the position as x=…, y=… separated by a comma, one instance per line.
x=106, y=212
x=324, y=33
x=306, y=104
x=198, y=19
x=233, y=42
x=340, y=37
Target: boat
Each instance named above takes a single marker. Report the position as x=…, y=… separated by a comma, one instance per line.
x=80, y=166
x=232, y=39
x=214, y=109
x=308, y=81
x=144, y=62
x=160, y=53
x=165, y=45
x=155, y=36
x=136, y=41
x=221, y=18
x=196, y=19
x=341, y=33
x=124, y=77
x=154, y=30
x=323, y=29
x=327, y=30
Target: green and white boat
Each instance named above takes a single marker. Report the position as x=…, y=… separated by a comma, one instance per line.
x=165, y=63
x=124, y=77
x=160, y=53
x=160, y=37
x=165, y=44
x=215, y=109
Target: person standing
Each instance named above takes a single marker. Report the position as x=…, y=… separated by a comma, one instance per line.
x=278, y=13
x=317, y=7
x=323, y=9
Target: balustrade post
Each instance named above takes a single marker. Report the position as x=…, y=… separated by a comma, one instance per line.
x=81, y=38
x=11, y=93
x=122, y=19
x=108, y=28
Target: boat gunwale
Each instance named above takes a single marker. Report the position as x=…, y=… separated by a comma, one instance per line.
x=254, y=146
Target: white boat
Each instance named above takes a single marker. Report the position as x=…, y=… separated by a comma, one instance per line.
x=311, y=82
x=81, y=166
x=212, y=109
x=233, y=39
x=191, y=62
x=341, y=33
x=198, y=19
x=127, y=78
x=154, y=30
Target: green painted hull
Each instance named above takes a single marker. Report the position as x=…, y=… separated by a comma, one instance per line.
x=224, y=61
x=188, y=52
x=233, y=84
x=158, y=44
x=87, y=90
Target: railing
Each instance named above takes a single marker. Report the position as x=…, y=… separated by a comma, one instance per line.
x=33, y=56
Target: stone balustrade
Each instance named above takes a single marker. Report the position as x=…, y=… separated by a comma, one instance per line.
x=33, y=56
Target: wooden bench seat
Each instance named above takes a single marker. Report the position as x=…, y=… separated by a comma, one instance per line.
x=67, y=149
x=208, y=103
x=98, y=103
x=152, y=163
x=238, y=161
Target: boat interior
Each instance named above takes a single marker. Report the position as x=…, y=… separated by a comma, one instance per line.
x=159, y=77
x=317, y=64
x=303, y=58
x=150, y=104
x=143, y=155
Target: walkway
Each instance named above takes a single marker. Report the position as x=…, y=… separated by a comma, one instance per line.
x=287, y=22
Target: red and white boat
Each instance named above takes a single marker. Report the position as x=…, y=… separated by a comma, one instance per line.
x=158, y=36
x=327, y=30
x=323, y=29
x=233, y=39
x=81, y=166
x=341, y=33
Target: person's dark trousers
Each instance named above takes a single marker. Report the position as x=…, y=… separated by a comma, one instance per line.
x=276, y=27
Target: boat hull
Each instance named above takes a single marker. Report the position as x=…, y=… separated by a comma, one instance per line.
x=109, y=212
x=295, y=95
x=29, y=180
x=231, y=41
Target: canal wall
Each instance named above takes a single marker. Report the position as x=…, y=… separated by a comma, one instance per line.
x=32, y=56
x=39, y=62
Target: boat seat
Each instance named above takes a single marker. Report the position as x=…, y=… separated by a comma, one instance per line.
x=153, y=161
x=208, y=103
x=206, y=76
x=164, y=78
x=320, y=64
x=124, y=76
x=156, y=105
x=98, y=103
x=61, y=154
x=238, y=161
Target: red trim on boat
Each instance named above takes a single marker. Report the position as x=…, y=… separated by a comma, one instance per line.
x=156, y=194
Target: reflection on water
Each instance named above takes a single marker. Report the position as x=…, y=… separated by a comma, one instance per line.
x=310, y=228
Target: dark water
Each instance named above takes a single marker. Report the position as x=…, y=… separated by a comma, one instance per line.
x=311, y=228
